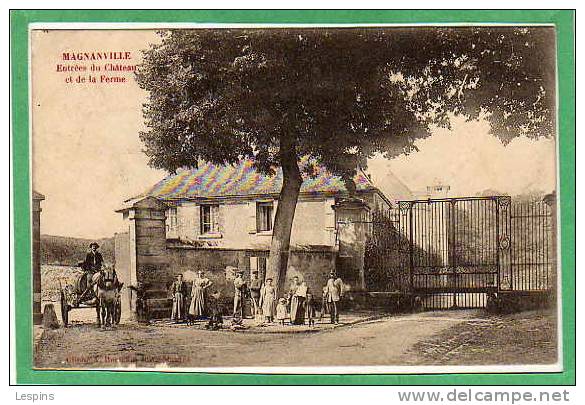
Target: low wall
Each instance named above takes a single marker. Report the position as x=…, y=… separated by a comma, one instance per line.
x=390, y=302
x=311, y=266
x=506, y=302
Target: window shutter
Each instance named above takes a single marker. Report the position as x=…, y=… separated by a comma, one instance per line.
x=180, y=221
x=215, y=218
x=220, y=218
x=258, y=217
x=195, y=221
x=252, y=226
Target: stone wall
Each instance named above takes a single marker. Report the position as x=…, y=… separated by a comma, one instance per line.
x=311, y=266
x=506, y=302
x=122, y=256
x=185, y=260
x=122, y=259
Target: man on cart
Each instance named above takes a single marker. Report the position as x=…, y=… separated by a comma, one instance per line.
x=91, y=265
x=94, y=259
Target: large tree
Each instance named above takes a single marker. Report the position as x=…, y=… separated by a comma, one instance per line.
x=338, y=95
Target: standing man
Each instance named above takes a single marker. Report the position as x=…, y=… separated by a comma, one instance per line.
x=255, y=286
x=239, y=294
x=333, y=292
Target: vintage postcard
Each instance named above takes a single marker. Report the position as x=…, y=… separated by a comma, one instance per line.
x=358, y=198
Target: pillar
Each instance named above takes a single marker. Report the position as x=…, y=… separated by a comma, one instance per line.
x=353, y=228
x=147, y=261
x=551, y=201
x=36, y=257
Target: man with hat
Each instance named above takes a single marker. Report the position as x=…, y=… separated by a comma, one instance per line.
x=91, y=265
x=93, y=259
x=333, y=291
x=240, y=290
x=255, y=286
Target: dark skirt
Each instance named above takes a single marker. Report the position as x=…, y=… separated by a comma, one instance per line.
x=297, y=310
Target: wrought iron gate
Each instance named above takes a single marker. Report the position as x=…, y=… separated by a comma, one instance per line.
x=459, y=250
x=464, y=239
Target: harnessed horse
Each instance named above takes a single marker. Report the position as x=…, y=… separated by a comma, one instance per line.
x=107, y=291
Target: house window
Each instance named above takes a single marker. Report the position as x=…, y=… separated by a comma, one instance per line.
x=208, y=217
x=171, y=219
x=264, y=216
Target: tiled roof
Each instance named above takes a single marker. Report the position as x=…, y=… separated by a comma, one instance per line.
x=211, y=180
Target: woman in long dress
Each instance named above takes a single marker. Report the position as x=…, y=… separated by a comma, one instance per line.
x=299, y=295
x=200, y=284
x=268, y=300
x=179, y=292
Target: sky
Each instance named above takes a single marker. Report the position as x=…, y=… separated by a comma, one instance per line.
x=471, y=160
x=87, y=156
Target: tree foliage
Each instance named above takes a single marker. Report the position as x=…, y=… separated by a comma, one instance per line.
x=342, y=94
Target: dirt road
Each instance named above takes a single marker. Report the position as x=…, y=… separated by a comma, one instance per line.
x=386, y=341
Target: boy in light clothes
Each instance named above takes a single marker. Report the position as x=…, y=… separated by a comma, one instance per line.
x=281, y=311
x=334, y=292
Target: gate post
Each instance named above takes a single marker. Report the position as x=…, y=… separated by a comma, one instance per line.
x=551, y=201
x=503, y=239
x=353, y=225
x=146, y=247
x=411, y=245
x=36, y=257
x=452, y=241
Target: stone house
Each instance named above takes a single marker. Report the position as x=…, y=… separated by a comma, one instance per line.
x=220, y=218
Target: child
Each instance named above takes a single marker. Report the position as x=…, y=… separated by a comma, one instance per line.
x=310, y=311
x=215, y=318
x=281, y=311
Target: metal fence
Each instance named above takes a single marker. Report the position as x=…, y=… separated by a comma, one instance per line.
x=453, y=252
x=532, y=263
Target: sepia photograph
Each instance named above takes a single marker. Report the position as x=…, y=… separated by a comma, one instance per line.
x=295, y=198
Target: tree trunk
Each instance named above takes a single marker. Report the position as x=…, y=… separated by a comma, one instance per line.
x=285, y=213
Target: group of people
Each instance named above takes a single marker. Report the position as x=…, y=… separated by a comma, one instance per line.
x=301, y=303
x=202, y=304
x=298, y=304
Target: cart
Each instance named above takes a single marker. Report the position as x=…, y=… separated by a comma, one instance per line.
x=81, y=294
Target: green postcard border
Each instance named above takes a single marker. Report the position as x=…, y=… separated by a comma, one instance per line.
x=19, y=21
